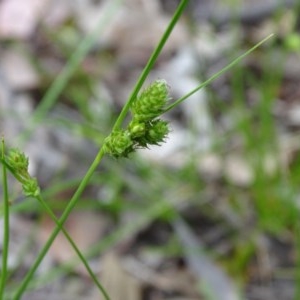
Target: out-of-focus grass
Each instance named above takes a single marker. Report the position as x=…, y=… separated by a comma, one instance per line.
x=271, y=198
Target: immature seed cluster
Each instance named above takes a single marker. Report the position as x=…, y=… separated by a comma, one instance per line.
x=145, y=128
x=19, y=163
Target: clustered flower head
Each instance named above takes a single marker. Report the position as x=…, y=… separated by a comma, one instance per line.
x=145, y=127
x=19, y=163
x=151, y=102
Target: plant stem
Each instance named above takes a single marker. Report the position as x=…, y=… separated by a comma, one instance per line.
x=216, y=75
x=76, y=249
x=61, y=221
x=5, y=227
x=150, y=63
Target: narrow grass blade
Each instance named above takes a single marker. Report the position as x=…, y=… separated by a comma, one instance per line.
x=216, y=75
x=151, y=62
x=5, y=227
x=75, y=248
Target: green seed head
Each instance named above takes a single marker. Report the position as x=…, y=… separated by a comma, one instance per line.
x=136, y=129
x=31, y=188
x=118, y=144
x=151, y=102
x=18, y=161
x=157, y=132
x=145, y=128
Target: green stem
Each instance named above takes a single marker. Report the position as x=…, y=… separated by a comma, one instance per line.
x=216, y=75
x=61, y=221
x=150, y=63
x=5, y=227
x=76, y=249
x=9, y=167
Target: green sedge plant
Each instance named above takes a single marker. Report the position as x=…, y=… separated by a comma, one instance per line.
x=145, y=128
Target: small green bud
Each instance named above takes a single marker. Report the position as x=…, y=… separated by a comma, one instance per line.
x=136, y=128
x=118, y=144
x=157, y=132
x=31, y=188
x=151, y=101
x=18, y=161
x=144, y=129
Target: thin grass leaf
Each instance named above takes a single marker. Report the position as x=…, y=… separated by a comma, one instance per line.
x=5, y=246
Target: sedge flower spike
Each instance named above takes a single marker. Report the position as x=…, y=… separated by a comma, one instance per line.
x=18, y=162
x=145, y=128
x=151, y=102
x=31, y=187
x=157, y=132
x=118, y=144
x=137, y=129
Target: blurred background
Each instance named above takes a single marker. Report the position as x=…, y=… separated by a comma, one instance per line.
x=213, y=213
